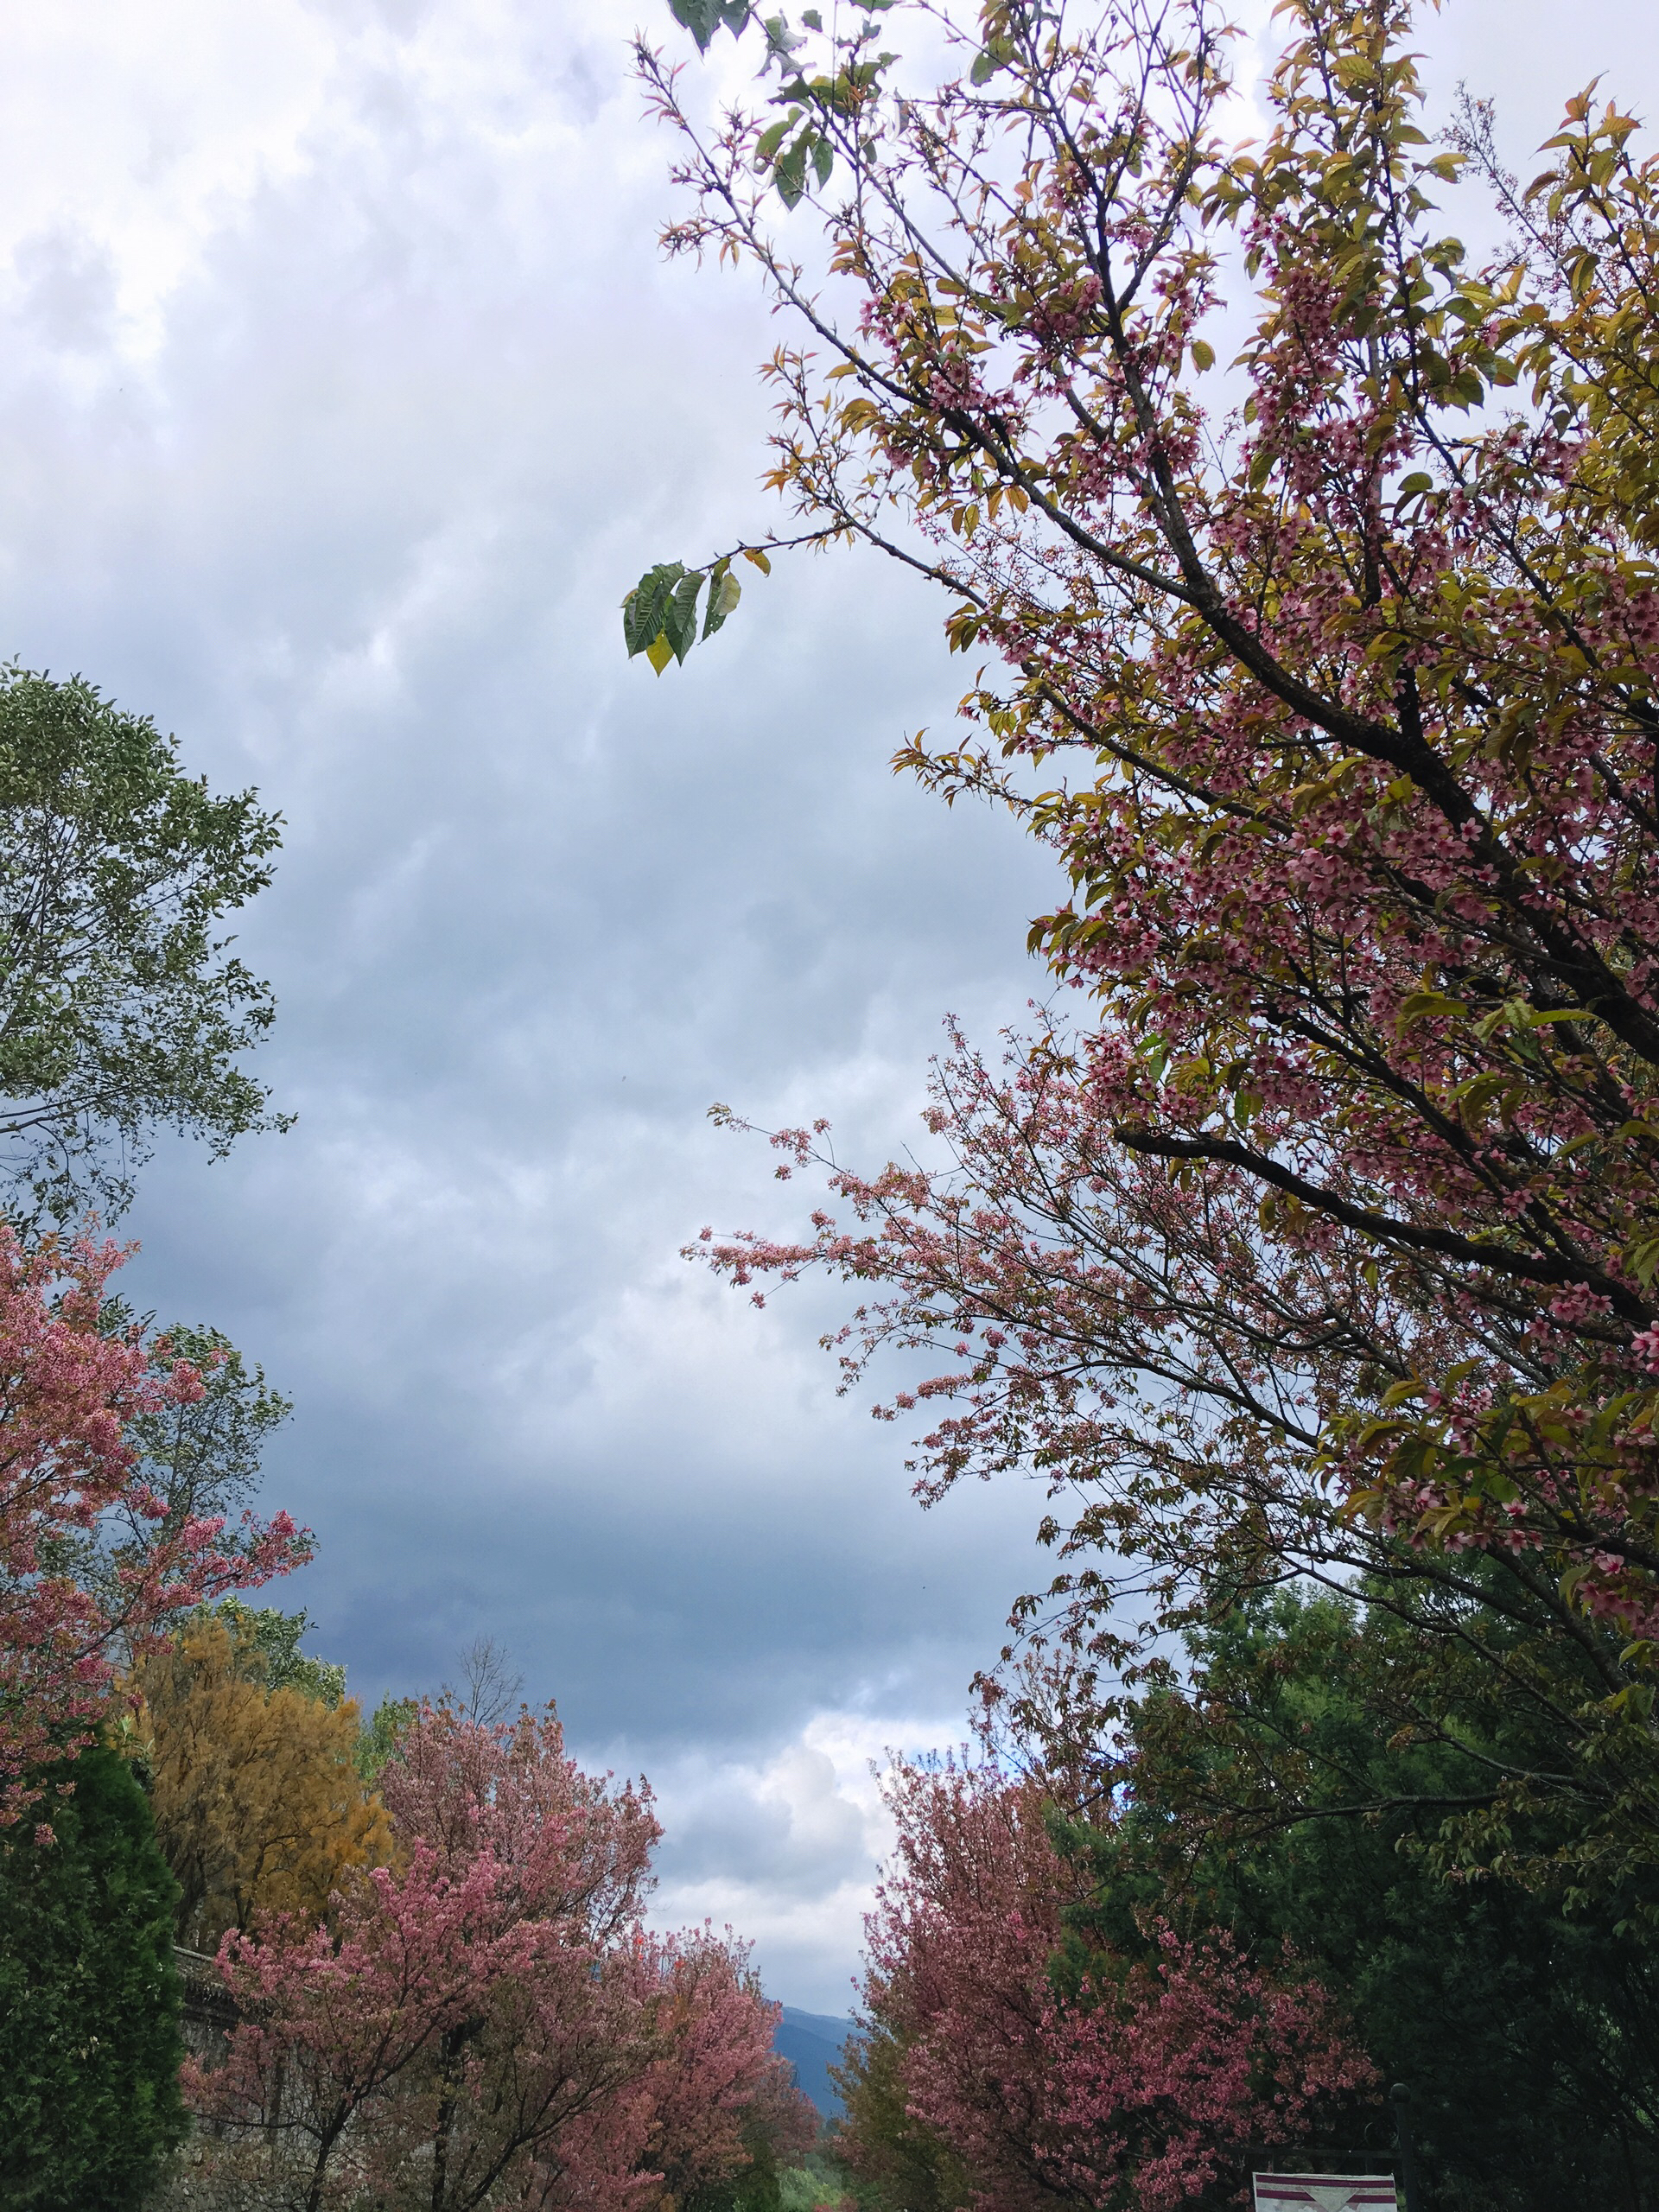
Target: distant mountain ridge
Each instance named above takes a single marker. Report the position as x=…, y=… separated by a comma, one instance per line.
x=812, y=2042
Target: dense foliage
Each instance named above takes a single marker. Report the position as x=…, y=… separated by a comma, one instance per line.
x=127, y=1454
x=1530, y=2034
x=381, y=1733
x=121, y=1008
x=268, y=1644
x=199, y=1451
x=900, y=2163
x=89, y=2002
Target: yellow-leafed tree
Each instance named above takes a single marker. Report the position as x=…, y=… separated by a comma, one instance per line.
x=258, y=1803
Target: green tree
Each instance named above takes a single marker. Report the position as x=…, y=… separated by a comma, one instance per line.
x=380, y=1735
x=202, y=1455
x=819, y=2181
x=753, y=2188
x=899, y=2164
x=1292, y=1798
x=122, y=1008
x=89, y=2002
x=269, y=1643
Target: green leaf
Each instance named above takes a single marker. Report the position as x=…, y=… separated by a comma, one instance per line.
x=1203, y=355
x=724, y=592
x=700, y=17
x=680, y=615
x=1421, y=1006
x=823, y=157
x=703, y=18
x=789, y=174
x=781, y=41
x=769, y=140
x=660, y=615
x=995, y=54
x=645, y=606
x=1397, y=1393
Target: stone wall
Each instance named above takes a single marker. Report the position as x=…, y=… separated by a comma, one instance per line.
x=207, y=2175
x=209, y=2010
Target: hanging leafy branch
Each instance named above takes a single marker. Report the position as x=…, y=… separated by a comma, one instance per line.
x=660, y=615
x=796, y=152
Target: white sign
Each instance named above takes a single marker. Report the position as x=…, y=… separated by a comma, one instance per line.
x=1324, y=2192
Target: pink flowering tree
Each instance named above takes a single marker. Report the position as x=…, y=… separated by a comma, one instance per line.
x=1054, y=1293
x=490, y=2014
x=719, y=2079
x=1138, y=2082
x=69, y=1390
x=1320, y=1224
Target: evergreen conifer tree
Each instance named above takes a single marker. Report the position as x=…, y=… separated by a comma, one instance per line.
x=89, y=1999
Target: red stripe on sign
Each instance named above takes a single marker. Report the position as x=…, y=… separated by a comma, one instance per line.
x=1324, y=2192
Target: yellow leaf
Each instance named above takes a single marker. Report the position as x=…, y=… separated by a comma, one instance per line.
x=1419, y=1006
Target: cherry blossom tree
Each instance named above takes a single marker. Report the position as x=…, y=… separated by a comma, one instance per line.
x=1058, y=1286
x=491, y=2013
x=1328, y=677
x=1127, y=2080
x=336, y=2018
x=70, y=1388
x=719, y=2076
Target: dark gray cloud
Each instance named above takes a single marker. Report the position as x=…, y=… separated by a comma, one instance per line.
x=344, y=394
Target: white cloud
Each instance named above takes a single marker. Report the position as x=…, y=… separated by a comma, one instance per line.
x=785, y=1848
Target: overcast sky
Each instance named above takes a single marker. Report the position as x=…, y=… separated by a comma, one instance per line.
x=343, y=394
